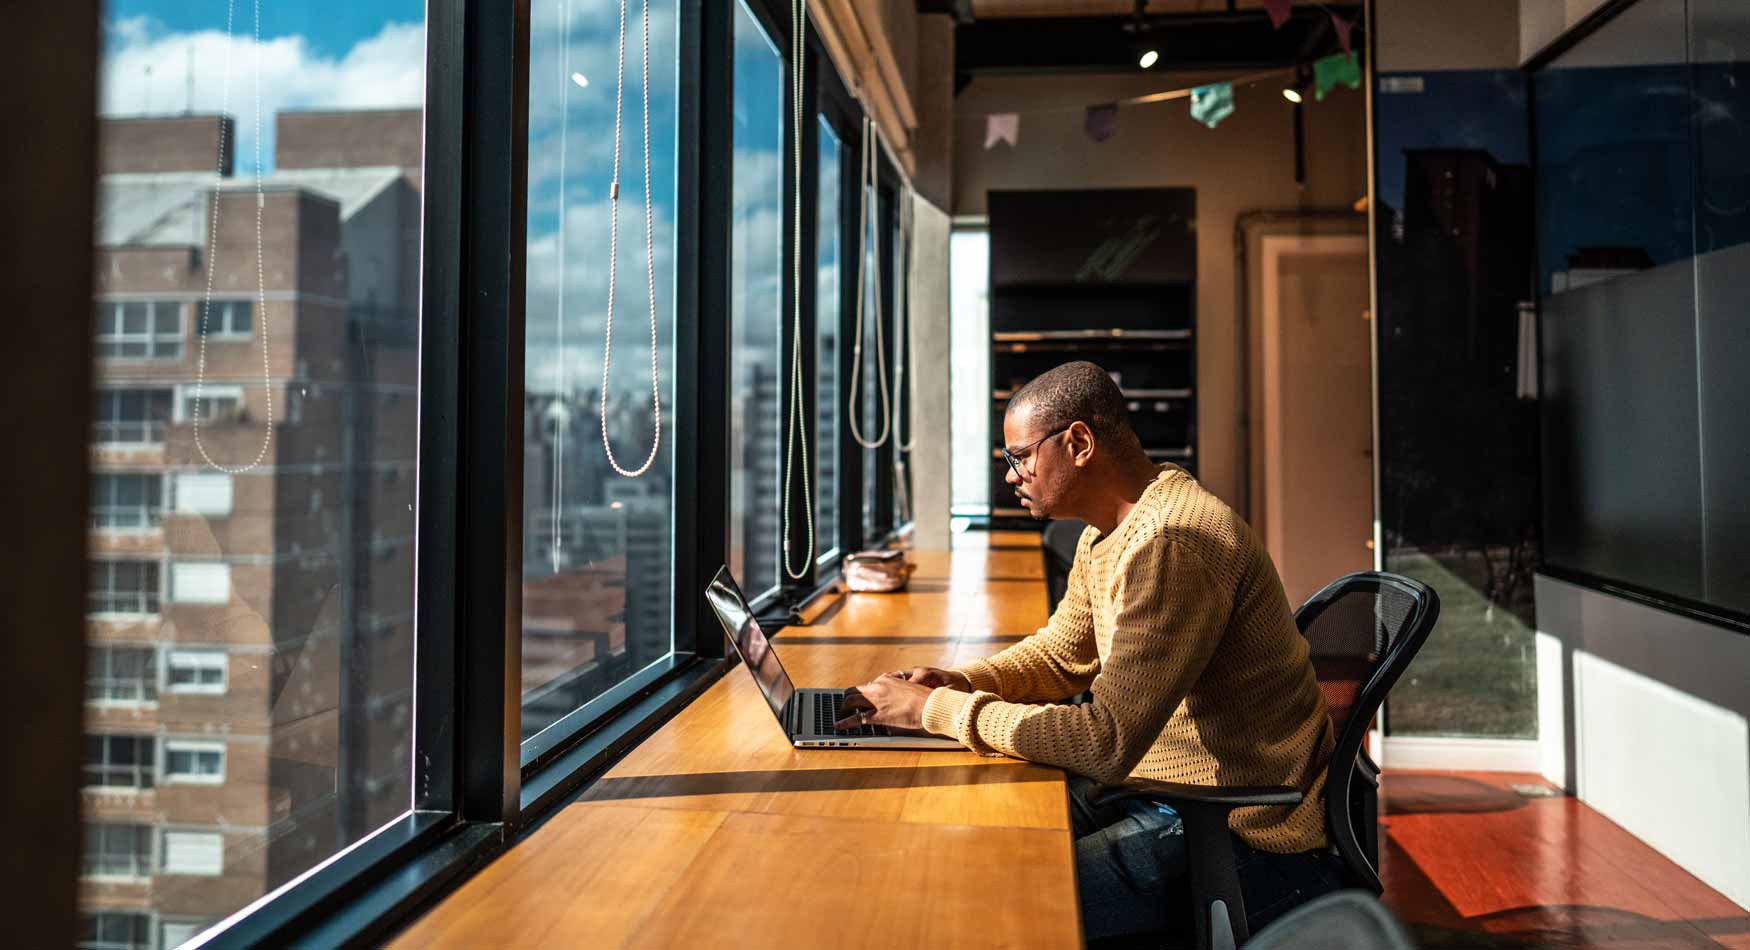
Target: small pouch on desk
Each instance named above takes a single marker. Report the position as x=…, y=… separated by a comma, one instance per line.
x=877, y=571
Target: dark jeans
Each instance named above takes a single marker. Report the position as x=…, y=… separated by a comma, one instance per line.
x=1132, y=874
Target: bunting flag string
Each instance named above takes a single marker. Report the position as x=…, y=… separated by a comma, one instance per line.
x=1101, y=121
x=1002, y=127
x=1331, y=70
x=1212, y=103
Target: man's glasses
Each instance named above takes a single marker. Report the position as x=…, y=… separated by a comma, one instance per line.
x=1025, y=452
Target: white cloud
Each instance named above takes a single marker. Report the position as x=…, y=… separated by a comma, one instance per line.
x=146, y=69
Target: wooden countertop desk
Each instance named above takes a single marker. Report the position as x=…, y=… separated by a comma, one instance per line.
x=715, y=832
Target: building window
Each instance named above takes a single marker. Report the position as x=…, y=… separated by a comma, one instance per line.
x=139, y=329
x=969, y=385
x=118, y=761
x=113, y=850
x=224, y=319
x=122, y=501
x=204, y=493
x=200, y=582
x=209, y=403
x=175, y=933
x=123, y=587
x=195, y=671
x=131, y=416
x=194, y=763
x=829, y=275
x=116, y=930
x=756, y=308
x=194, y=852
x=121, y=675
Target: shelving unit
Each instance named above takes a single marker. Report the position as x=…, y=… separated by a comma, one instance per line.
x=1106, y=276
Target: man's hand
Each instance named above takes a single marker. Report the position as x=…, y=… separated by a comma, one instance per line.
x=932, y=677
x=888, y=701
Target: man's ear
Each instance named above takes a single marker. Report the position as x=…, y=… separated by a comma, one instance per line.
x=1082, y=444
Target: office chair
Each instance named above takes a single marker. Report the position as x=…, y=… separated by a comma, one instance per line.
x=1058, y=544
x=1370, y=619
x=1346, y=920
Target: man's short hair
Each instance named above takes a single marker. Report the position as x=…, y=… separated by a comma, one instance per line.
x=1079, y=391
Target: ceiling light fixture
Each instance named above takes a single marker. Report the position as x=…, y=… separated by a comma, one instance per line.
x=1293, y=95
x=1149, y=58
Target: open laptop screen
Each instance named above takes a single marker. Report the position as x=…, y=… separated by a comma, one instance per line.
x=750, y=641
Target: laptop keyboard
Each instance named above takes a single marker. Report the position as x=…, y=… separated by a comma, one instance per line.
x=826, y=712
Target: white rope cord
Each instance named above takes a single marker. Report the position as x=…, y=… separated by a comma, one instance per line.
x=562, y=423
x=614, y=251
x=869, y=191
x=798, y=424
x=200, y=384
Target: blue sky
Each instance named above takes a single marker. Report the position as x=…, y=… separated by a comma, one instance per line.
x=330, y=28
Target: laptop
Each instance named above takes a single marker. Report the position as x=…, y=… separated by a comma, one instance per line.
x=805, y=715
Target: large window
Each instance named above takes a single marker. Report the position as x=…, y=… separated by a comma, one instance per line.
x=121, y=674
x=829, y=270
x=139, y=329
x=126, y=500
x=116, y=930
x=258, y=283
x=124, y=587
x=757, y=369
x=124, y=762
x=117, y=850
x=131, y=416
x=597, y=559
x=969, y=355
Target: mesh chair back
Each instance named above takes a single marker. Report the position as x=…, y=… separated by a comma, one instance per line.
x=1059, y=546
x=1363, y=630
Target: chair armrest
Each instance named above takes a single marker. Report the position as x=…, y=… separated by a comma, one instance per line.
x=1178, y=793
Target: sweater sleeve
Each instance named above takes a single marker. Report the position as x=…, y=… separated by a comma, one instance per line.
x=1170, y=615
x=1057, y=661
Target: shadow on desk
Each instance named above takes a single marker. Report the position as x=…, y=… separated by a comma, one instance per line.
x=811, y=780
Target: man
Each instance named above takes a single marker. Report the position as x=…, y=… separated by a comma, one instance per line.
x=1176, y=619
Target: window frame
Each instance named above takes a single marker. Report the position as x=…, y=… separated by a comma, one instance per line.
x=149, y=685
x=205, y=657
x=195, y=747
x=152, y=338
x=142, y=860
x=144, y=768
x=220, y=323
x=475, y=792
x=151, y=516
x=151, y=600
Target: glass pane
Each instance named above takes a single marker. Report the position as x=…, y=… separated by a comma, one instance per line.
x=316, y=722
x=756, y=299
x=1719, y=47
x=829, y=235
x=1457, y=431
x=597, y=549
x=969, y=354
x=134, y=318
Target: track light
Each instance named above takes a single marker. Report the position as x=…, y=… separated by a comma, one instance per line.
x=1149, y=58
x=1292, y=95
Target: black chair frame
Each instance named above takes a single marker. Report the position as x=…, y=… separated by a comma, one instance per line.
x=1351, y=778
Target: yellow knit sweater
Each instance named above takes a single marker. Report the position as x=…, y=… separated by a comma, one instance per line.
x=1179, y=623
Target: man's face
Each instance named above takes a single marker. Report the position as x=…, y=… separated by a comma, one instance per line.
x=1044, y=460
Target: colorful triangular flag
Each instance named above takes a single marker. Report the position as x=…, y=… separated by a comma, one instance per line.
x=1002, y=127
x=1101, y=121
x=1212, y=103
x=1343, y=28
x=1280, y=11
x=1336, y=68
